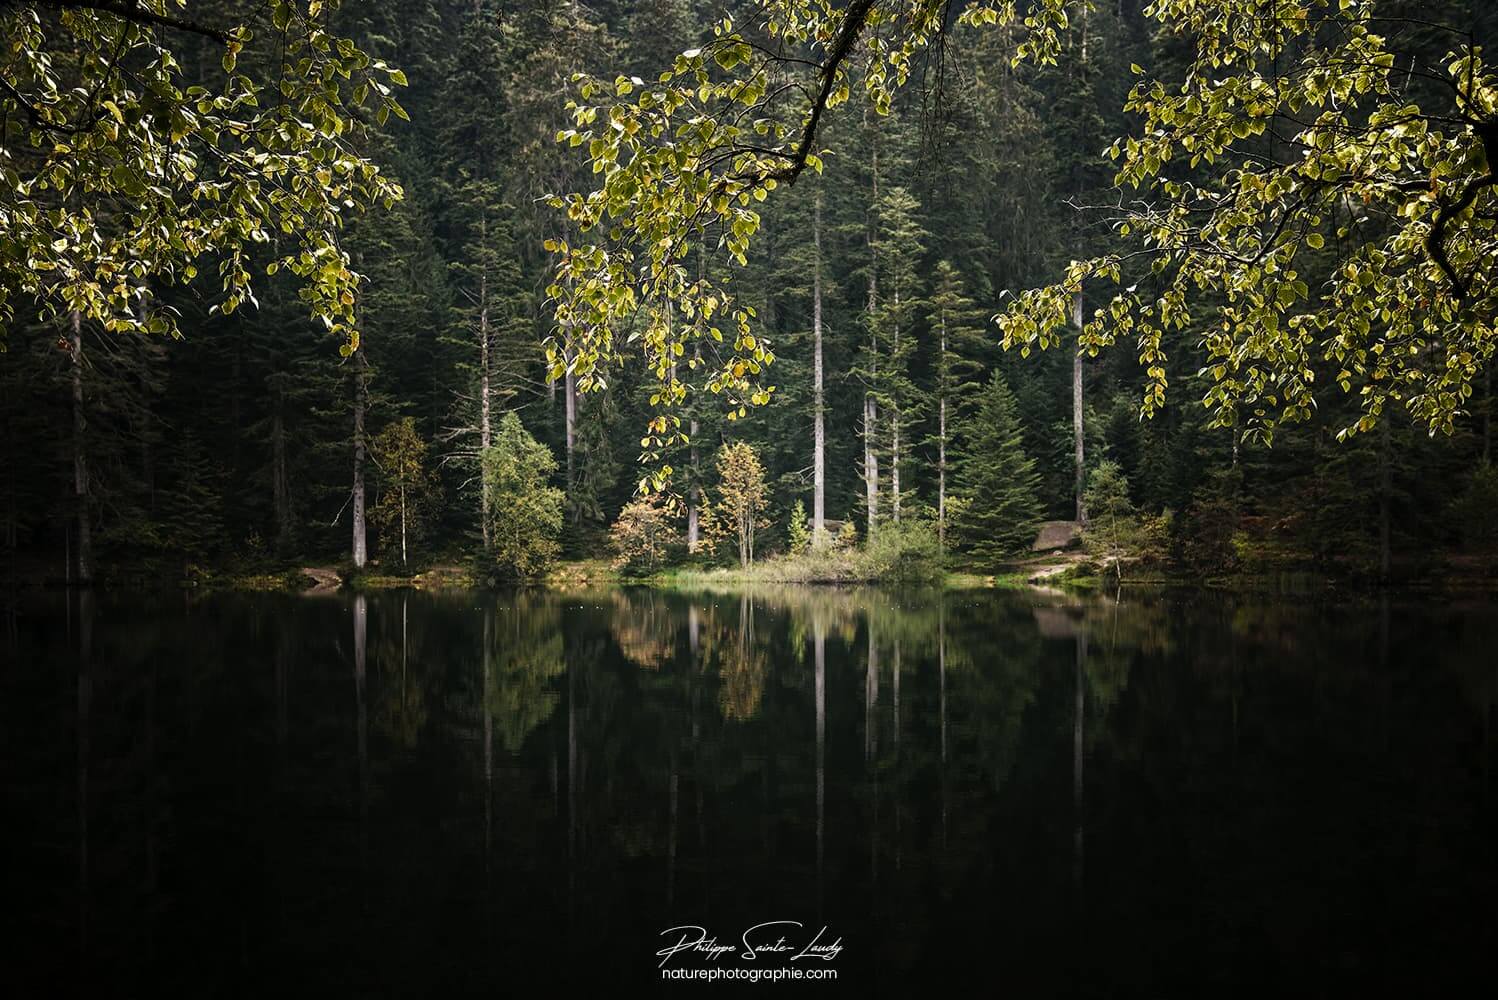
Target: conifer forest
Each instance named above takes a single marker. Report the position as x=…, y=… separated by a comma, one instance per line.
x=489, y=286
x=920, y=498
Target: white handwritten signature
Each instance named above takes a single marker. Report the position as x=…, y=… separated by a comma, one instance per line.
x=756, y=942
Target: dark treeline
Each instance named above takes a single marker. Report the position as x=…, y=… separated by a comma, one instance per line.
x=252, y=440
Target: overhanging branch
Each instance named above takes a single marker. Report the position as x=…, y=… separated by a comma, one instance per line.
x=136, y=11
x=857, y=17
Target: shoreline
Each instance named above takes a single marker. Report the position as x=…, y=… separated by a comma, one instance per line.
x=1068, y=574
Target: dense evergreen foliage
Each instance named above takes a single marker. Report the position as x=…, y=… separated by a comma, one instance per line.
x=997, y=490
x=253, y=439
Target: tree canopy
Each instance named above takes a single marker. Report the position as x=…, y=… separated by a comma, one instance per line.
x=1316, y=199
x=126, y=165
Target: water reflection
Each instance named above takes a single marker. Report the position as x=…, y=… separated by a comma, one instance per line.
x=1208, y=792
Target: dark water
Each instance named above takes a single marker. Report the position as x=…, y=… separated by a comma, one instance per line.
x=472, y=794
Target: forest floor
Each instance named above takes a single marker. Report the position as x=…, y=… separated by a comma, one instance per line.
x=1050, y=568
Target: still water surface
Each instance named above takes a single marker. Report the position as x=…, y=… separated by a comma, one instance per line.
x=414, y=794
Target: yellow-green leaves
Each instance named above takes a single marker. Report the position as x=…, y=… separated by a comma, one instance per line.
x=1391, y=307
x=679, y=164
x=119, y=178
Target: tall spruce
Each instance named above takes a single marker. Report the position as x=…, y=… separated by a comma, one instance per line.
x=995, y=480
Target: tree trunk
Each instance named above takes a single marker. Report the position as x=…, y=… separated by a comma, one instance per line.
x=870, y=462
x=83, y=551
x=818, y=434
x=870, y=407
x=1076, y=410
x=486, y=434
x=694, y=495
x=361, y=553
x=571, y=408
x=694, y=525
x=894, y=463
x=894, y=427
x=404, y=561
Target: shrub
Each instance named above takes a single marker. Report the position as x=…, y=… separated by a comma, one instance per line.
x=642, y=535
x=525, y=513
x=797, y=532
x=742, y=499
x=907, y=551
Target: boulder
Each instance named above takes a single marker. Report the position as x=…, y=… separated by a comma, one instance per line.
x=1056, y=535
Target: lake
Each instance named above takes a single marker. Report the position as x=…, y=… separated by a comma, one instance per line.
x=1034, y=794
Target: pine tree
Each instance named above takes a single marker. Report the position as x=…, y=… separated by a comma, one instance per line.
x=995, y=480
x=899, y=247
x=957, y=327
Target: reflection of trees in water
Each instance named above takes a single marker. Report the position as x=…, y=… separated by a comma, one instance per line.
x=741, y=668
x=399, y=653
x=1194, y=709
x=645, y=626
x=524, y=658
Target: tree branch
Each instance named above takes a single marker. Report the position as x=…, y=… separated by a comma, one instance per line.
x=1435, y=240
x=853, y=22
x=135, y=11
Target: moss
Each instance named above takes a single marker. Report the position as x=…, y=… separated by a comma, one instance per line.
x=284, y=581
x=377, y=581
x=444, y=578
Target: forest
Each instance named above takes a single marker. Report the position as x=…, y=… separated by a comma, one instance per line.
x=896, y=340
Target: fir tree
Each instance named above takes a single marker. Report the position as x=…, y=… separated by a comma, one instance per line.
x=995, y=480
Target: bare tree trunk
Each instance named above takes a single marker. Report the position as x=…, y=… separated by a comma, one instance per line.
x=486, y=432
x=361, y=388
x=83, y=552
x=870, y=462
x=404, y=561
x=870, y=407
x=818, y=434
x=694, y=500
x=894, y=462
x=1076, y=410
x=571, y=409
x=894, y=429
